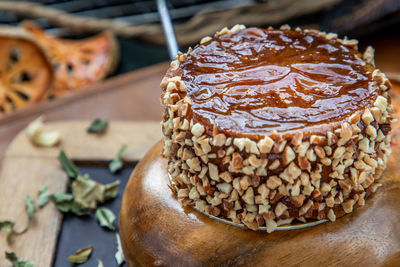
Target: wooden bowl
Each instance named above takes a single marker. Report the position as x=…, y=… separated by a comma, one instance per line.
x=157, y=231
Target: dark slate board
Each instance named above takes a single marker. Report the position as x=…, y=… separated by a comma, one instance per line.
x=79, y=232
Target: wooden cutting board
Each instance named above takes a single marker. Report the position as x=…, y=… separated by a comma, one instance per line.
x=27, y=168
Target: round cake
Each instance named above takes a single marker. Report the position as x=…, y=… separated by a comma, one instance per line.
x=265, y=127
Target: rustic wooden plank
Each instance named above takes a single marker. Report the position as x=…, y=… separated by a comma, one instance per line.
x=22, y=176
x=83, y=146
x=27, y=168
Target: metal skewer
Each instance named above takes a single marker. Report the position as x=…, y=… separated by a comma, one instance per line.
x=168, y=29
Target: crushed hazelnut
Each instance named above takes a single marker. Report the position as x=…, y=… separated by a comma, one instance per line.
x=280, y=209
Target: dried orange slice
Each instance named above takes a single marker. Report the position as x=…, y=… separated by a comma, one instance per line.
x=77, y=63
x=25, y=72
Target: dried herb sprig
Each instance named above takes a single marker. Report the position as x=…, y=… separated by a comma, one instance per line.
x=116, y=164
x=88, y=193
x=31, y=210
x=12, y=257
x=119, y=255
x=98, y=126
x=65, y=203
x=81, y=255
x=69, y=167
x=43, y=196
x=9, y=227
x=105, y=218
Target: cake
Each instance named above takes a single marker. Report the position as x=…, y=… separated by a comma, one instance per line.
x=265, y=127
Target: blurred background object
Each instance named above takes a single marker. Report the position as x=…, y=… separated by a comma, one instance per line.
x=76, y=63
x=26, y=74
x=196, y=18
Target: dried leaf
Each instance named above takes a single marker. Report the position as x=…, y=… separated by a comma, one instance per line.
x=9, y=227
x=62, y=197
x=116, y=164
x=66, y=203
x=40, y=138
x=43, y=196
x=30, y=209
x=122, y=151
x=119, y=255
x=105, y=217
x=98, y=126
x=88, y=193
x=12, y=257
x=81, y=256
x=69, y=167
x=111, y=190
x=100, y=263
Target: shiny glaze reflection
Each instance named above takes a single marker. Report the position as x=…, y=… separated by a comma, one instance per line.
x=259, y=80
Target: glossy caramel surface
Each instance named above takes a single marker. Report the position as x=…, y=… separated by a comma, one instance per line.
x=256, y=81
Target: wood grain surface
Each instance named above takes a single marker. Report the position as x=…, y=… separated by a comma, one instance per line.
x=157, y=231
x=27, y=168
x=83, y=146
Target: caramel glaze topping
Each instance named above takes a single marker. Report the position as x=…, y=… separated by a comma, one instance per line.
x=256, y=81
